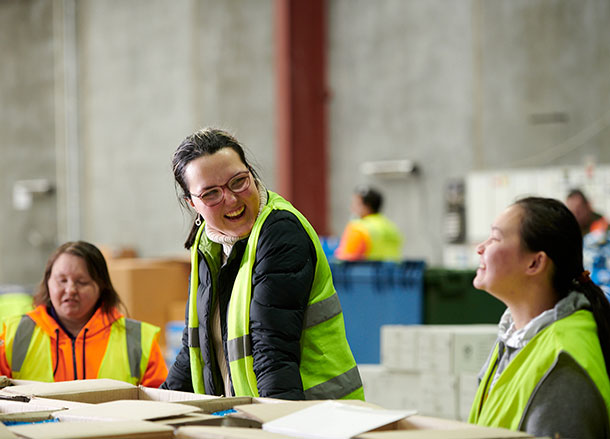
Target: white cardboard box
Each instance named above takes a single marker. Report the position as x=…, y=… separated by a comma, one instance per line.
x=467, y=385
x=398, y=344
x=391, y=389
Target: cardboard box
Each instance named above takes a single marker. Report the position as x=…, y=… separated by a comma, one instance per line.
x=439, y=395
x=124, y=410
x=390, y=388
x=97, y=391
x=176, y=310
x=416, y=426
x=15, y=411
x=467, y=389
x=206, y=432
x=454, y=349
x=94, y=430
x=445, y=348
x=148, y=286
x=5, y=433
x=399, y=347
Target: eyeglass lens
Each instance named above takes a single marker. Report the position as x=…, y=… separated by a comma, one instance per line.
x=237, y=184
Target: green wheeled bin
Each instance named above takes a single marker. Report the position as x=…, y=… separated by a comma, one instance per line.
x=450, y=298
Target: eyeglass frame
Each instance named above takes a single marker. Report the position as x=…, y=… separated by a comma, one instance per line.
x=222, y=187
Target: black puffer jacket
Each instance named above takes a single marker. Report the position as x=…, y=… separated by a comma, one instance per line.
x=281, y=283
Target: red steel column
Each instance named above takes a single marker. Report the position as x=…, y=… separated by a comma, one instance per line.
x=301, y=120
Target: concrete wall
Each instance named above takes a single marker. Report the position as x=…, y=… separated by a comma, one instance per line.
x=27, y=137
x=454, y=86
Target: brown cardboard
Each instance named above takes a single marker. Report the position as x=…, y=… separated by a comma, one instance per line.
x=148, y=286
x=268, y=412
x=124, y=410
x=217, y=404
x=14, y=411
x=176, y=310
x=88, y=391
x=206, y=432
x=416, y=426
x=187, y=419
x=210, y=420
x=5, y=433
x=94, y=430
x=97, y=391
x=464, y=433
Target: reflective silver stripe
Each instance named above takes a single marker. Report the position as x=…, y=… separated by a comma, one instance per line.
x=23, y=336
x=133, y=330
x=193, y=337
x=322, y=311
x=336, y=387
x=239, y=347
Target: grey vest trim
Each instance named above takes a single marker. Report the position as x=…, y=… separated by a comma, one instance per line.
x=133, y=332
x=239, y=347
x=193, y=337
x=23, y=336
x=336, y=387
x=322, y=311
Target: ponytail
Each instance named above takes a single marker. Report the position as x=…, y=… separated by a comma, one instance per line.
x=190, y=239
x=600, y=307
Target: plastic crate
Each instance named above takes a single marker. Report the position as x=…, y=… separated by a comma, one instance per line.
x=450, y=298
x=374, y=294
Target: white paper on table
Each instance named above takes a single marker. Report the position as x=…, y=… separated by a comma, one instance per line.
x=333, y=420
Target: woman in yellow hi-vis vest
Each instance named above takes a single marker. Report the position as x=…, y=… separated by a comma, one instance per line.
x=76, y=331
x=547, y=374
x=263, y=317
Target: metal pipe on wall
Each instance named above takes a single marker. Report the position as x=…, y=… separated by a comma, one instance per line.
x=68, y=163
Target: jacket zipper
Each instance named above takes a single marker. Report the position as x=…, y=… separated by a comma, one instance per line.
x=74, y=357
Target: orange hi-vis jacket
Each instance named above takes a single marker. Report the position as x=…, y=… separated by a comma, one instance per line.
x=99, y=350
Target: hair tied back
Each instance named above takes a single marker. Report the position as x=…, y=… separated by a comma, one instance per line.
x=584, y=278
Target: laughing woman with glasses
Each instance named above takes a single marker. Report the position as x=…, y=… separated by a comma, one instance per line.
x=263, y=317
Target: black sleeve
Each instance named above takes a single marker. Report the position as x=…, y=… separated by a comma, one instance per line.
x=179, y=375
x=566, y=404
x=281, y=283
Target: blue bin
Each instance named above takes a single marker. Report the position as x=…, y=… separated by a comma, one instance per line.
x=374, y=294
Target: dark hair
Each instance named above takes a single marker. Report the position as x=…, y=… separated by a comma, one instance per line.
x=548, y=225
x=370, y=197
x=97, y=268
x=577, y=193
x=206, y=141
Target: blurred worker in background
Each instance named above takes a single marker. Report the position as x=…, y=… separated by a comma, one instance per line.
x=75, y=331
x=548, y=373
x=587, y=218
x=263, y=317
x=371, y=236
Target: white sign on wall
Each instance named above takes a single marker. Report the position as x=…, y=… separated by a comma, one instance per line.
x=488, y=193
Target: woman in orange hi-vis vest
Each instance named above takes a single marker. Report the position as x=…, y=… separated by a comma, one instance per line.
x=76, y=331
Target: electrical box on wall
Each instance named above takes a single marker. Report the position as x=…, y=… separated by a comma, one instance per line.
x=455, y=212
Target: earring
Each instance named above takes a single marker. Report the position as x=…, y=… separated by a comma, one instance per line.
x=198, y=221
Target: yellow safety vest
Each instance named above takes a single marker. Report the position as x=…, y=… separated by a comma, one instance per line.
x=328, y=369
x=385, y=239
x=13, y=304
x=505, y=404
x=28, y=350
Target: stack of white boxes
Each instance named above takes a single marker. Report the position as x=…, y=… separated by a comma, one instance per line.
x=430, y=368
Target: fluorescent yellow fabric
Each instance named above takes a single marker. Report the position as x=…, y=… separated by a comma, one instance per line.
x=504, y=405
